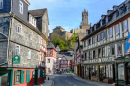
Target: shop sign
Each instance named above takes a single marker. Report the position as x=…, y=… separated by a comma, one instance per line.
x=16, y=59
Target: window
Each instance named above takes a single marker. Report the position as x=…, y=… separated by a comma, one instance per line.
x=105, y=34
x=101, y=35
x=110, y=32
x=1, y=4
x=48, y=60
x=19, y=28
x=20, y=7
x=121, y=72
x=19, y=76
x=112, y=50
x=90, y=55
x=98, y=37
x=103, y=52
x=125, y=8
x=117, y=29
x=119, y=49
x=106, y=19
x=48, y=51
x=101, y=23
x=125, y=26
x=17, y=50
x=27, y=76
x=89, y=41
x=94, y=54
x=99, y=53
x=93, y=41
x=30, y=35
x=41, y=72
x=84, y=43
x=29, y=54
x=117, y=13
x=85, y=56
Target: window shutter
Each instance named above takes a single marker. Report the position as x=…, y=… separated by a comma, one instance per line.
x=41, y=72
x=22, y=76
x=27, y=76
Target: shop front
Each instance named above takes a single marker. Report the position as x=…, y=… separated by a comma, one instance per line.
x=122, y=71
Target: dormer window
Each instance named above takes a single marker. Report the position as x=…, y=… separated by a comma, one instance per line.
x=94, y=27
x=101, y=23
x=20, y=7
x=32, y=20
x=1, y=4
x=117, y=13
x=106, y=19
x=126, y=9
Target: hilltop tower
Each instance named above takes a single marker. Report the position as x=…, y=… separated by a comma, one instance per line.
x=84, y=24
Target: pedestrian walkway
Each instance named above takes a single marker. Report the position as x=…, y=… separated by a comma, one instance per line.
x=91, y=82
x=48, y=83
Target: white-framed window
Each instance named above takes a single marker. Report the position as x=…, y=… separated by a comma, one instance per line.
x=17, y=50
x=1, y=4
x=106, y=19
x=112, y=50
x=30, y=35
x=119, y=49
x=117, y=29
x=84, y=43
x=110, y=32
x=21, y=7
x=101, y=23
x=125, y=26
x=105, y=34
x=32, y=20
x=98, y=37
x=93, y=40
x=29, y=54
x=19, y=28
x=101, y=35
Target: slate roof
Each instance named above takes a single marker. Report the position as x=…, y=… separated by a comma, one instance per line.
x=51, y=45
x=67, y=57
x=38, y=12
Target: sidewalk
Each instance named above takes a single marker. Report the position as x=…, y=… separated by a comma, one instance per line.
x=48, y=83
x=91, y=82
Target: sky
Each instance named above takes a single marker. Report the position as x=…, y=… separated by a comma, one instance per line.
x=68, y=13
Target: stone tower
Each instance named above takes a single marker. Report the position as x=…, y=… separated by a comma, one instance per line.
x=84, y=23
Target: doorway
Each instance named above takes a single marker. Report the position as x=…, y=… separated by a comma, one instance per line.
x=128, y=74
x=4, y=79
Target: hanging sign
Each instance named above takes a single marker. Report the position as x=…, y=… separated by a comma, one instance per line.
x=16, y=59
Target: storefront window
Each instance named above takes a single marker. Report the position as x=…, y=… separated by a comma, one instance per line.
x=96, y=71
x=107, y=73
x=121, y=72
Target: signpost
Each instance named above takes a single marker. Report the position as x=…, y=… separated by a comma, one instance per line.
x=16, y=59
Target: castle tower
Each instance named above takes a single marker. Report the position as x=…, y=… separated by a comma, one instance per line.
x=84, y=23
x=84, y=17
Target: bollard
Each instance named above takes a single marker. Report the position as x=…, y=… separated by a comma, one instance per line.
x=48, y=78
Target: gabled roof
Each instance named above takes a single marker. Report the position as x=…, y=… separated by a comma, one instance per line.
x=38, y=12
x=67, y=57
x=51, y=45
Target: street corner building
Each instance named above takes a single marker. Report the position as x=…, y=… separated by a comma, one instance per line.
x=105, y=57
x=23, y=43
